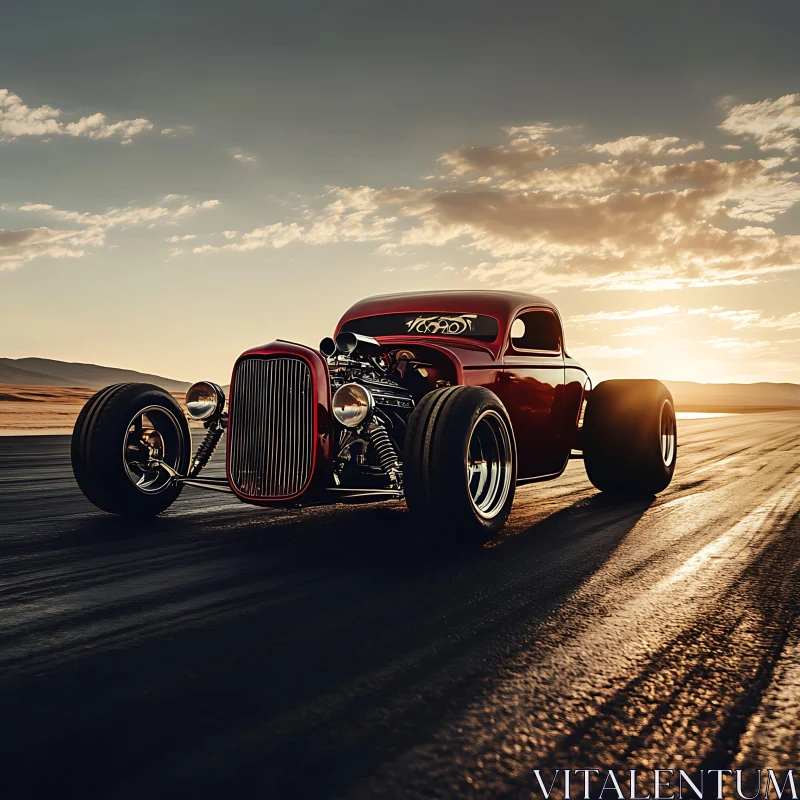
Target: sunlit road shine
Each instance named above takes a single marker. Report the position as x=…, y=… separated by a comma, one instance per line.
x=332, y=652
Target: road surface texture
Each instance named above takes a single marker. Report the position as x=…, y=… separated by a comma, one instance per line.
x=224, y=650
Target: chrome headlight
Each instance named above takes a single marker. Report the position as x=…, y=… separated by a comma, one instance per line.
x=352, y=404
x=204, y=400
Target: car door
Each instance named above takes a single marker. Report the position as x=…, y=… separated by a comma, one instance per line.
x=532, y=389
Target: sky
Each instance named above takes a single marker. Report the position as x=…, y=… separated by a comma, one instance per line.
x=180, y=181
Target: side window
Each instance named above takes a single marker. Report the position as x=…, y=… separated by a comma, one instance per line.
x=536, y=330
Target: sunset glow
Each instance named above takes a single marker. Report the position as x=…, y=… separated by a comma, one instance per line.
x=668, y=240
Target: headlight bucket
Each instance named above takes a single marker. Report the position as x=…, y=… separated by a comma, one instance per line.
x=352, y=405
x=204, y=400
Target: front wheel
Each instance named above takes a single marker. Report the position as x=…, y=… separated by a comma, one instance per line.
x=460, y=463
x=121, y=437
x=630, y=437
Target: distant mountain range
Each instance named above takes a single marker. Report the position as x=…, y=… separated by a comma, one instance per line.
x=688, y=395
x=47, y=372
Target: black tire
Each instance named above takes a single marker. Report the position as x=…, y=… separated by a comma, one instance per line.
x=436, y=457
x=624, y=448
x=98, y=445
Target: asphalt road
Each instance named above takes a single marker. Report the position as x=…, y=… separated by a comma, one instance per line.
x=224, y=650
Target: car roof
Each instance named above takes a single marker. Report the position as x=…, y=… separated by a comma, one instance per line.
x=500, y=304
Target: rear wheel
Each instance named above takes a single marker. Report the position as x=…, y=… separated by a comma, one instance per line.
x=630, y=437
x=459, y=463
x=123, y=436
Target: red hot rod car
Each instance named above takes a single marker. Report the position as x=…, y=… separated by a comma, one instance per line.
x=448, y=399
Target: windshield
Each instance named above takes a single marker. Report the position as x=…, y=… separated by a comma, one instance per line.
x=466, y=326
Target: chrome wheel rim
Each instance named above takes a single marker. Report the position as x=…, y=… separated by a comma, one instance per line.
x=153, y=437
x=668, y=433
x=490, y=464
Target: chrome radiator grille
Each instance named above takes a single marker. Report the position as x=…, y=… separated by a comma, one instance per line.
x=271, y=429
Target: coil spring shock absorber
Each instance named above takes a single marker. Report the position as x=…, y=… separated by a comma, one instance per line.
x=206, y=449
x=387, y=455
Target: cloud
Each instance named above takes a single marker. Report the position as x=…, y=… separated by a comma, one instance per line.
x=242, y=157
x=97, y=126
x=351, y=216
x=496, y=159
x=734, y=343
x=766, y=197
x=604, y=351
x=420, y=267
x=641, y=330
x=741, y=318
x=524, y=134
x=18, y=119
x=88, y=230
x=515, y=222
x=646, y=146
x=597, y=177
x=750, y=230
x=748, y=318
x=185, y=238
x=784, y=323
x=177, y=131
x=633, y=226
x=276, y=236
x=172, y=208
x=771, y=124
x=20, y=246
x=644, y=313
x=620, y=226
x=626, y=221
x=354, y=215
x=525, y=150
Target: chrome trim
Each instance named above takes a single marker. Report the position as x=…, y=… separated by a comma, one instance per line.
x=370, y=404
x=387, y=453
x=344, y=490
x=340, y=494
x=175, y=478
x=327, y=347
x=541, y=478
x=271, y=427
x=215, y=484
x=205, y=450
x=490, y=464
x=144, y=449
x=667, y=433
x=204, y=410
x=348, y=342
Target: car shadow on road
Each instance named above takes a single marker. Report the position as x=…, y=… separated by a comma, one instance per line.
x=375, y=535
x=299, y=626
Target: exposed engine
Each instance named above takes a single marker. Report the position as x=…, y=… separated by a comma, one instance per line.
x=374, y=393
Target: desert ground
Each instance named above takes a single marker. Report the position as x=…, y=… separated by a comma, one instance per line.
x=32, y=410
